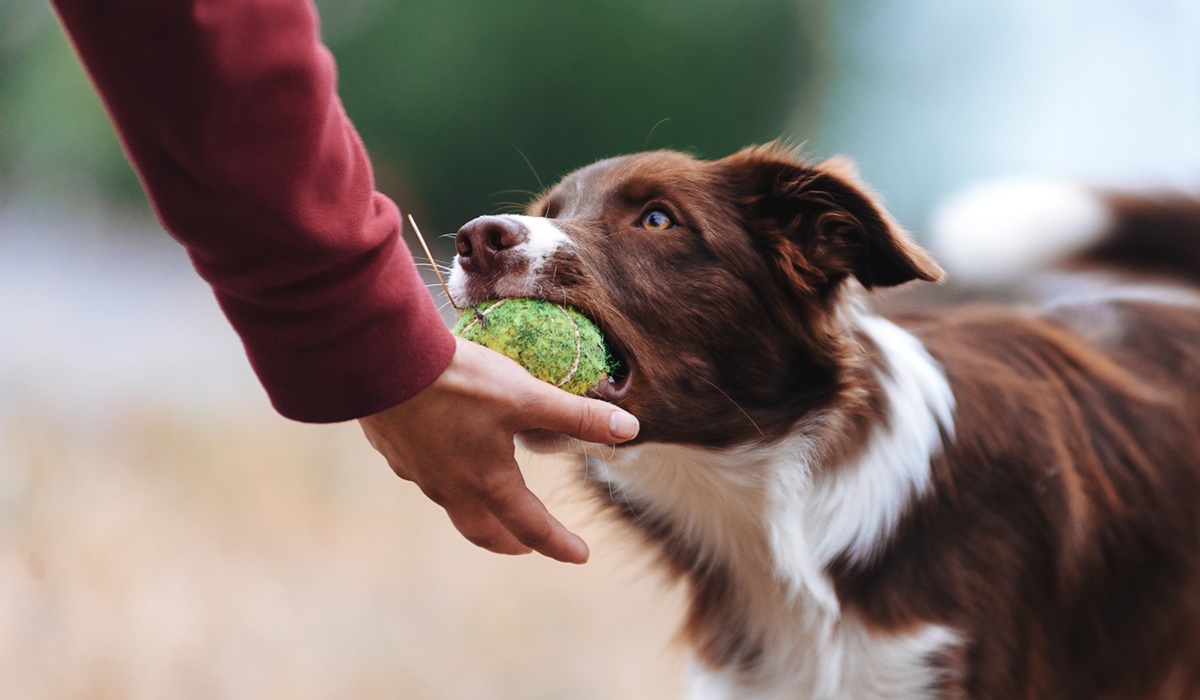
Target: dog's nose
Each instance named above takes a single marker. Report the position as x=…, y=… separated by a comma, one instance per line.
x=481, y=241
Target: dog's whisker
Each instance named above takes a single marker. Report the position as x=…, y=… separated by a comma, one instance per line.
x=660, y=123
x=529, y=193
x=608, y=484
x=531, y=168
x=511, y=207
x=735, y=405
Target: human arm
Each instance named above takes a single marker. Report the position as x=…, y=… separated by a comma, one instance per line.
x=229, y=113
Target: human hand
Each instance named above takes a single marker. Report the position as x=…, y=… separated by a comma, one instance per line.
x=455, y=441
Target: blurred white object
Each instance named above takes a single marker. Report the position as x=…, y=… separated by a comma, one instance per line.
x=1003, y=231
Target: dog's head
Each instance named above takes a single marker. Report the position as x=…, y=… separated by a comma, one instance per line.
x=717, y=283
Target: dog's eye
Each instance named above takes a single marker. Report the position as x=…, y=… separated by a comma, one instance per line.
x=656, y=220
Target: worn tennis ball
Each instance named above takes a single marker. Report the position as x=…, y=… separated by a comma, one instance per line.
x=556, y=344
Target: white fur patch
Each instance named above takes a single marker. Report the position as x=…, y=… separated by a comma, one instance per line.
x=854, y=664
x=776, y=517
x=999, y=231
x=821, y=513
x=714, y=497
x=543, y=241
x=858, y=506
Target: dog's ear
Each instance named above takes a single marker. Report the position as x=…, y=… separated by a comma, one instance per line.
x=822, y=222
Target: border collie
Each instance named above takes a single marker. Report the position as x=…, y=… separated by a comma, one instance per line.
x=973, y=502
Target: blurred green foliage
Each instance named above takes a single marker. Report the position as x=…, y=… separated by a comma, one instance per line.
x=55, y=140
x=453, y=97
x=447, y=93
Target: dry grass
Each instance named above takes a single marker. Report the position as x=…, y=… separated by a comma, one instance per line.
x=247, y=557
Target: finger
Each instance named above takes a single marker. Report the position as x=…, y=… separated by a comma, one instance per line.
x=525, y=516
x=587, y=419
x=482, y=529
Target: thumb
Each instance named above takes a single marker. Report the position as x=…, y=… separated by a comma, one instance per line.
x=586, y=419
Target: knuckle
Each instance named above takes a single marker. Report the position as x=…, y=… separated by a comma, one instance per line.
x=587, y=418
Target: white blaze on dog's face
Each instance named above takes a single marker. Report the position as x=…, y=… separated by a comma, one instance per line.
x=504, y=256
x=715, y=282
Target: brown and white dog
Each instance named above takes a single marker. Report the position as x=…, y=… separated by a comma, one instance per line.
x=979, y=502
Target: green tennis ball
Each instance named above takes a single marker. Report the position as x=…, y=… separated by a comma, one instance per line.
x=556, y=344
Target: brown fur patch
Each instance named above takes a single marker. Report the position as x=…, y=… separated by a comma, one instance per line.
x=1063, y=514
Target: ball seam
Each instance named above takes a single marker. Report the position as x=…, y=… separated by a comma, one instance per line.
x=578, y=348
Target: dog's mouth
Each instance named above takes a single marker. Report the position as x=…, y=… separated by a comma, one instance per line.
x=615, y=387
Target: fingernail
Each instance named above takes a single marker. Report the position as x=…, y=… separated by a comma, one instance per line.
x=623, y=425
x=582, y=552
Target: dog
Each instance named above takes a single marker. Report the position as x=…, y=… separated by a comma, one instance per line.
x=976, y=501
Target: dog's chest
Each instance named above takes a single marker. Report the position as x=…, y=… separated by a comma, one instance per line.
x=756, y=529
x=773, y=618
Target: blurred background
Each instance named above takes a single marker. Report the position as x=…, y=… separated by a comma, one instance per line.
x=164, y=534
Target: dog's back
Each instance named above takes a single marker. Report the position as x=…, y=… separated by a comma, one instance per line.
x=1074, y=473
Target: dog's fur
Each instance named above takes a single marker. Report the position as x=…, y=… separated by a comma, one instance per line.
x=980, y=502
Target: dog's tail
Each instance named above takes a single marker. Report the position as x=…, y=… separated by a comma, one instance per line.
x=997, y=233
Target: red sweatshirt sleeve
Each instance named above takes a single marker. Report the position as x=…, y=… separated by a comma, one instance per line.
x=228, y=110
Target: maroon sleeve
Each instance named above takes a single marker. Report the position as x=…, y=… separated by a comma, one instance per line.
x=228, y=110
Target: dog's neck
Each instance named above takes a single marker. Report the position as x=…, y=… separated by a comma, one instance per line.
x=755, y=528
